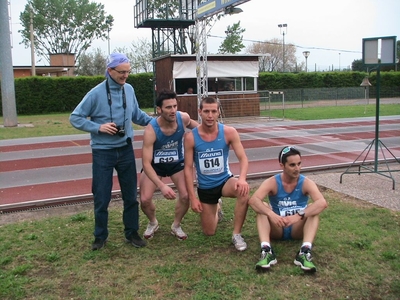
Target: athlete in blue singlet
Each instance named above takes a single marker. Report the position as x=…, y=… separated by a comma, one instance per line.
x=207, y=146
x=162, y=156
x=288, y=215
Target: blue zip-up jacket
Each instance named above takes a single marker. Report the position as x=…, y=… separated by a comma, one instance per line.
x=94, y=110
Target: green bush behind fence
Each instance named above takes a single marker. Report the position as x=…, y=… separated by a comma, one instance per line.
x=41, y=95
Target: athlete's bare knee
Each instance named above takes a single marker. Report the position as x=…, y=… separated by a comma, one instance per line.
x=184, y=198
x=209, y=232
x=243, y=200
x=145, y=201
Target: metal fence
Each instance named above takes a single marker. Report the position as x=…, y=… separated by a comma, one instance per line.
x=299, y=98
x=318, y=94
x=324, y=96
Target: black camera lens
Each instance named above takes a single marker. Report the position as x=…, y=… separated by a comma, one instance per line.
x=120, y=131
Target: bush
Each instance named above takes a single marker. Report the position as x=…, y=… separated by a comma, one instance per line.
x=42, y=95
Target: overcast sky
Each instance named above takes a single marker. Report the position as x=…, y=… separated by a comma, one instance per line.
x=331, y=30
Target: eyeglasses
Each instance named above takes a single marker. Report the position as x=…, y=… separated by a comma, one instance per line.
x=286, y=150
x=121, y=72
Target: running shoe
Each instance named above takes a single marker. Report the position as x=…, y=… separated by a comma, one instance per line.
x=304, y=260
x=178, y=232
x=239, y=242
x=267, y=259
x=150, y=230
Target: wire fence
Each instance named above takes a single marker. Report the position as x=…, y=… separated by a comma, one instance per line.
x=325, y=97
x=345, y=93
x=235, y=108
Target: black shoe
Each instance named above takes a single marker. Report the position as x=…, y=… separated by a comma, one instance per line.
x=98, y=244
x=136, y=240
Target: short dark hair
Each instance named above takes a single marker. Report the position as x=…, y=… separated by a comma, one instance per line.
x=286, y=152
x=163, y=95
x=208, y=100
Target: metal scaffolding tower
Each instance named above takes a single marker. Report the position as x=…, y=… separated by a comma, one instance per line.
x=201, y=59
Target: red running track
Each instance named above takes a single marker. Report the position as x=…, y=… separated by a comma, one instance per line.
x=260, y=149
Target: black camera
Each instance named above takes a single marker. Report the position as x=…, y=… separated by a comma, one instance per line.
x=120, y=131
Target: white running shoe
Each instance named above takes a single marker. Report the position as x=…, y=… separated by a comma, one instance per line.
x=239, y=242
x=150, y=230
x=178, y=232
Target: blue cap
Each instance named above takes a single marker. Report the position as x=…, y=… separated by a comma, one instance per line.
x=115, y=59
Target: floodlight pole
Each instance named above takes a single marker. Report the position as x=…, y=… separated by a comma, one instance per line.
x=109, y=23
x=283, y=29
x=6, y=71
x=306, y=55
x=32, y=40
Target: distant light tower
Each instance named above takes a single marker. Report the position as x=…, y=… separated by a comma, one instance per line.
x=32, y=40
x=339, y=61
x=283, y=30
x=306, y=55
x=109, y=22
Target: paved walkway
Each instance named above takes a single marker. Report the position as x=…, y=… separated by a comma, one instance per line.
x=372, y=187
x=37, y=170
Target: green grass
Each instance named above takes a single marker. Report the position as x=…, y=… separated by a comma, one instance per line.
x=42, y=125
x=356, y=252
x=58, y=124
x=333, y=112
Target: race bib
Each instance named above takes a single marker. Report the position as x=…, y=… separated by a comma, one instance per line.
x=211, y=162
x=289, y=211
x=166, y=156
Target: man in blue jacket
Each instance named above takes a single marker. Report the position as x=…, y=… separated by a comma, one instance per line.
x=107, y=112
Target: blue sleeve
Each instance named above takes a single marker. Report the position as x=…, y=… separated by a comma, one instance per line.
x=79, y=117
x=139, y=117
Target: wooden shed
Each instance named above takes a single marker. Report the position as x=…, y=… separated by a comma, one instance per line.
x=231, y=78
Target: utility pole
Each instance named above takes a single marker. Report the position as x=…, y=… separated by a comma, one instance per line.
x=32, y=43
x=283, y=29
x=6, y=69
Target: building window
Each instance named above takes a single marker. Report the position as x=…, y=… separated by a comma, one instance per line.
x=217, y=85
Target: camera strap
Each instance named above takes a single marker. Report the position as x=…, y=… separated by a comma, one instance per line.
x=110, y=101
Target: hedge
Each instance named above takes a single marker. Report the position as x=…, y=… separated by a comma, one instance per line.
x=41, y=95
x=279, y=81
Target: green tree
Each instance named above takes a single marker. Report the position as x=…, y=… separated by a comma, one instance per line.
x=91, y=64
x=63, y=26
x=233, y=43
x=140, y=55
x=357, y=65
x=161, y=9
x=271, y=56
